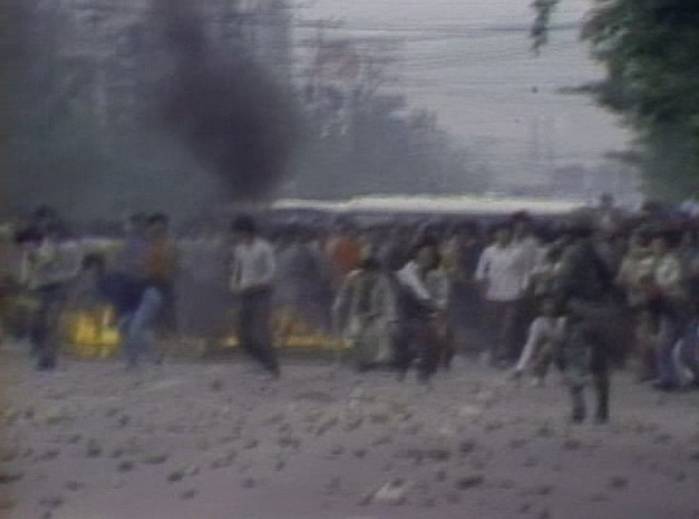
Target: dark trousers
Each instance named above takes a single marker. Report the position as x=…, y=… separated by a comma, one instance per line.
x=418, y=343
x=587, y=359
x=44, y=329
x=254, y=328
x=502, y=322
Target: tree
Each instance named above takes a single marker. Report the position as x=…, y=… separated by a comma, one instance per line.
x=650, y=49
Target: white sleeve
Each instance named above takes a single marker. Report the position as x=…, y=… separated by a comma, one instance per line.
x=533, y=338
x=483, y=265
x=408, y=277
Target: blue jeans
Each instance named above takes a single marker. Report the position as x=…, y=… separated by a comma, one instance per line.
x=137, y=327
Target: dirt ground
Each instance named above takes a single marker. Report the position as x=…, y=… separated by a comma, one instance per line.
x=221, y=441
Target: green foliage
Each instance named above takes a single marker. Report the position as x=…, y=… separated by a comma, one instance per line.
x=650, y=49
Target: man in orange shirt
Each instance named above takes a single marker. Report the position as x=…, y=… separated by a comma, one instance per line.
x=344, y=251
x=161, y=268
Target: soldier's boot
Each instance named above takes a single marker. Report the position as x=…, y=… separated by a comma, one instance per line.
x=578, y=402
x=602, y=390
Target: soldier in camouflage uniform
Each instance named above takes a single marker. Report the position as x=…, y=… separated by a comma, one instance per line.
x=583, y=284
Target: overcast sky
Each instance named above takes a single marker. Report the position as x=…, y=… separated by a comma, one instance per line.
x=470, y=62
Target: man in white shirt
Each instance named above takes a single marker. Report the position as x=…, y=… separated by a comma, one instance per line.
x=417, y=310
x=502, y=273
x=252, y=277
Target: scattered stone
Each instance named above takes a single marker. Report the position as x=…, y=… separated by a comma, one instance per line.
x=494, y=426
x=10, y=477
x=572, y=444
x=544, y=514
x=75, y=438
x=280, y=465
x=694, y=456
x=50, y=454
x=353, y=425
x=52, y=502
x=531, y=462
x=662, y=439
x=251, y=444
x=599, y=497
x=124, y=420
x=289, y=442
x=393, y=493
x=94, y=450
x=525, y=508
x=467, y=447
x=326, y=426
x=338, y=450
x=440, y=475
x=125, y=466
x=379, y=418
x=360, y=453
x=468, y=482
x=618, y=482
x=189, y=494
x=74, y=486
x=543, y=490
x=680, y=476
x=545, y=431
x=439, y=454
x=216, y=385
x=177, y=475
x=155, y=459
x=225, y=461
x=382, y=440
x=249, y=483
x=518, y=443
x=8, y=456
x=117, y=453
x=56, y=415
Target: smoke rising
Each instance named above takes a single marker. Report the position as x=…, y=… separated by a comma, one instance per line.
x=234, y=117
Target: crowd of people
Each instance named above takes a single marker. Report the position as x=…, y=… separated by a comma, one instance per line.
x=585, y=293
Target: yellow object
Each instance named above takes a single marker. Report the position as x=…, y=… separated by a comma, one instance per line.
x=92, y=333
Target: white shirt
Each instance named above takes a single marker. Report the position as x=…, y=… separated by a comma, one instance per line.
x=254, y=265
x=52, y=262
x=504, y=270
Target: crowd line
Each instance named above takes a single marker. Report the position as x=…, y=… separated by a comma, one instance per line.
x=584, y=293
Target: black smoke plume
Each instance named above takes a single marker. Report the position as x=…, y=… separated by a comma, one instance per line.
x=235, y=117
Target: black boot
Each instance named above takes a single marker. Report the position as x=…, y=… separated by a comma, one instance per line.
x=578, y=401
